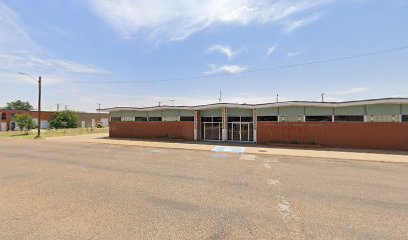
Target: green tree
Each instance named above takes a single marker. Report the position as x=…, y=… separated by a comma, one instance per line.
x=18, y=105
x=64, y=119
x=25, y=122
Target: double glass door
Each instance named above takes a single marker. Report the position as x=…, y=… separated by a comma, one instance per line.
x=211, y=131
x=240, y=131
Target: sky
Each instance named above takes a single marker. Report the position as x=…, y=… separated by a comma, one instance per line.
x=141, y=52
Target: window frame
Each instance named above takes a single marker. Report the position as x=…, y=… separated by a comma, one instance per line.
x=325, y=118
x=267, y=118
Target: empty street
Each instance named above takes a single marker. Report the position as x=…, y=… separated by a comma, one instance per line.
x=62, y=190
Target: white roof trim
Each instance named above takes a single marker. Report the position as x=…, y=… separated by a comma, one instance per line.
x=264, y=105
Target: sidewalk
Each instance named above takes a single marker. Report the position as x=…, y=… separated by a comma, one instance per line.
x=344, y=154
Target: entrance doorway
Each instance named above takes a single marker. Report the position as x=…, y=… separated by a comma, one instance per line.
x=241, y=131
x=211, y=128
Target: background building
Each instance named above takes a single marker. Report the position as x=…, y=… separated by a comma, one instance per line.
x=84, y=119
x=373, y=124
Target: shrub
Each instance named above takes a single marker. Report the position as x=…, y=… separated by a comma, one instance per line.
x=65, y=119
x=24, y=122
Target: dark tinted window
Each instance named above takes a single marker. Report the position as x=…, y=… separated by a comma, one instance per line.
x=155, y=119
x=234, y=119
x=267, y=118
x=318, y=118
x=3, y=116
x=349, y=118
x=247, y=119
x=404, y=118
x=116, y=119
x=140, y=119
x=217, y=119
x=206, y=119
x=187, y=119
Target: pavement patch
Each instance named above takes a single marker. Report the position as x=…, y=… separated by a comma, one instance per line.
x=156, y=151
x=248, y=157
x=284, y=208
x=226, y=149
x=271, y=161
x=221, y=156
x=273, y=182
x=266, y=165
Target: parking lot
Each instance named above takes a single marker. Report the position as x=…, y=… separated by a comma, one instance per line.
x=61, y=190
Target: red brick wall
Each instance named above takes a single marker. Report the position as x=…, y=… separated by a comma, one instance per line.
x=388, y=136
x=146, y=130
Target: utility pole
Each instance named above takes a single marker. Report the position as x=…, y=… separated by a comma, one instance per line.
x=323, y=97
x=58, y=107
x=99, y=107
x=159, y=103
x=220, y=99
x=39, y=101
x=172, y=102
x=39, y=107
x=277, y=97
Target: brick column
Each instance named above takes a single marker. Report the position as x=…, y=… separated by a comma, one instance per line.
x=255, y=121
x=224, y=124
x=197, y=123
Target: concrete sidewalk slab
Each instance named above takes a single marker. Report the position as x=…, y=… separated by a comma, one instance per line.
x=377, y=156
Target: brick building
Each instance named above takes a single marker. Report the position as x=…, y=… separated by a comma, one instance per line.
x=371, y=124
x=84, y=119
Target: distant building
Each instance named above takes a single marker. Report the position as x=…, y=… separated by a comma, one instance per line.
x=373, y=124
x=84, y=119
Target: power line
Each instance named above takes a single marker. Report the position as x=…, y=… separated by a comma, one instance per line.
x=328, y=60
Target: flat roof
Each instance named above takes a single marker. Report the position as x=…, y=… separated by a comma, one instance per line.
x=263, y=105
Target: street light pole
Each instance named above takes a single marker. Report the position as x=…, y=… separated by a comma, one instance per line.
x=39, y=101
x=39, y=107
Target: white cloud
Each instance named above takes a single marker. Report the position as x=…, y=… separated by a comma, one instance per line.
x=350, y=91
x=271, y=50
x=225, y=69
x=294, y=54
x=226, y=50
x=173, y=20
x=18, y=53
x=291, y=26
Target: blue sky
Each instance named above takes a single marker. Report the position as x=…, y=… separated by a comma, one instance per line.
x=111, y=43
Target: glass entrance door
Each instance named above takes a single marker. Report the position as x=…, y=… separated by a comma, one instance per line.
x=211, y=131
x=242, y=132
x=245, y=132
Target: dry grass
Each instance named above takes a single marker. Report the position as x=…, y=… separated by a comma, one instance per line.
x=53, y=133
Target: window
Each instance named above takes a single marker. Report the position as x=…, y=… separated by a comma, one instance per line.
x=383, y=118
x=349, y=118
x=206, y=119
x=128, y=119
x=170, y=119
x=404, y=118
x=291, y=118
x=155, y=119
x=234, y=119
x=186, y=119
x=116, y=119
x=318, y=118
x=211, y=119
x=3, y=116
x=267, y=118
x=140, y=119
x=247, y=119
x=217, y=119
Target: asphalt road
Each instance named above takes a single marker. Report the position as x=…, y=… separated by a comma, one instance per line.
x=51, y=190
